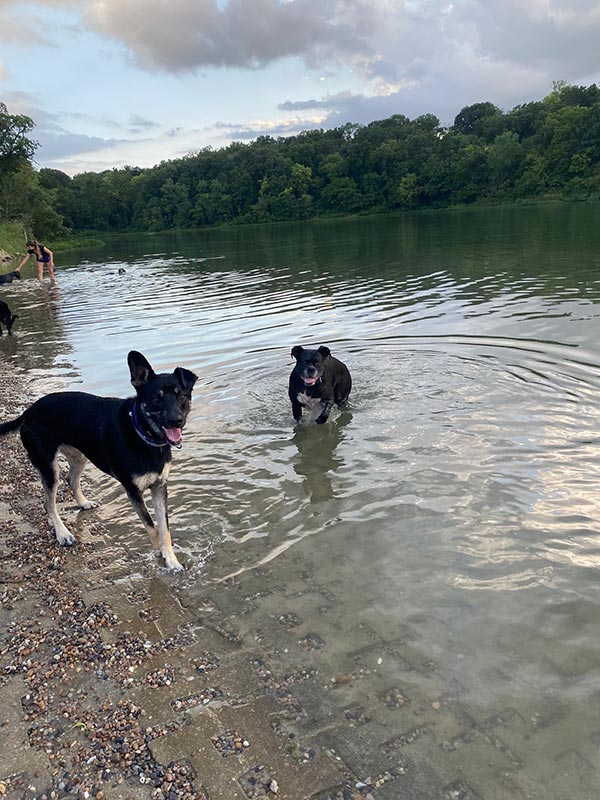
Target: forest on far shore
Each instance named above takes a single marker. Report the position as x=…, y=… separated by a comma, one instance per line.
x=544, y=149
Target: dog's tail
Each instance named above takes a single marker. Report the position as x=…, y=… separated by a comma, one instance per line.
x=12, y=425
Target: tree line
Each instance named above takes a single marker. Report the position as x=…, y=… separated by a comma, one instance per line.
x=543, y=149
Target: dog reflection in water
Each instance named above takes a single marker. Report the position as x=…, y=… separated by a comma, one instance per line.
x=318, y=458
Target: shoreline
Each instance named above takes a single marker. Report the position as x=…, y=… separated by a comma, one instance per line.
x=112, y=688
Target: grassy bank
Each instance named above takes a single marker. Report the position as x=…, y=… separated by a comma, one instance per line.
x=13, y=237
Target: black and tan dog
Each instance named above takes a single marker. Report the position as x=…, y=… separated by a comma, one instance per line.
x=10, y=276
x=318, y=379
x=7, y=318
x=129, y=439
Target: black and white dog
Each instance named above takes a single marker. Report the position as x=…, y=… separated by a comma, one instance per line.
x=129, y=439
x=10, y=276
x=7, y=318
x=318, y=379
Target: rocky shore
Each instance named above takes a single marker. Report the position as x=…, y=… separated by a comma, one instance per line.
x=110, y=687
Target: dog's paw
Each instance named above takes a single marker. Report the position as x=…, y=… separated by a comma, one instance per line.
x=171, y=562
x=89, y=504
x=321, y=420
x=66, y=539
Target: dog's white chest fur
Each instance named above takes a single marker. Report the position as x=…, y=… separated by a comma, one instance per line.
x=307, y=401
x=149, y=478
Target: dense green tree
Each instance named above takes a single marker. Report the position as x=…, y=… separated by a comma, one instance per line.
x=549, y=147
x=506, y=161
x=16, y=148
x=482, y=120
x=23, y=200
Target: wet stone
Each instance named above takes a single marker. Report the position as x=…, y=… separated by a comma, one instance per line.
x=199, y=698
x=164, y=676
x=357, y=715
x=138, y=596
x=312, y=641
x=206, y=662
x=394, y=698
x=149, y=614
x=230, y=743
x=290, y=620
x=257, y=782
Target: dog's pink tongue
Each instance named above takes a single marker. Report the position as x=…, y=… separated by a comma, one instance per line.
x=309, y=381
x=173, y=435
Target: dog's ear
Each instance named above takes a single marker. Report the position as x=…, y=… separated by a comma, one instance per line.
x=186, y=378
x=325, y=351
x=139, y=368
x=296, y=351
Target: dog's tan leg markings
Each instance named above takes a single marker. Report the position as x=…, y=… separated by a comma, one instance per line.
x=139, y=506
x=159, y=533
x=77, y=462
x=63, y=534
x=158, y=491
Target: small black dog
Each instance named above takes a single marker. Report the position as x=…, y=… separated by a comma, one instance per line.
x=6, y=318
x=10, y=276
x=318, y=378
x=129, y=439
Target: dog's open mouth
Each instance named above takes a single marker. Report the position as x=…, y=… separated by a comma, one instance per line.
x=173, y=435
x=310, y=381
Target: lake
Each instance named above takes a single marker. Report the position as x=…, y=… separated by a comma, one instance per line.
x=435, y=548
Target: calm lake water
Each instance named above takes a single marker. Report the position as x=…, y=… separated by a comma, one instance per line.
x=441, y=538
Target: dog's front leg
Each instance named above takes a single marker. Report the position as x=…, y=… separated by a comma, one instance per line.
x=296, y=410
x=158, y=491
x=326, y=411
x=137, y=501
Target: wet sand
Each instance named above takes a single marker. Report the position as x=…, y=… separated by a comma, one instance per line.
x=110, y=687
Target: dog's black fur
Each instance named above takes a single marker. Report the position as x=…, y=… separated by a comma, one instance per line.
x=129, y=439
x=10, y=276
x=7, y=318
x=318, y=377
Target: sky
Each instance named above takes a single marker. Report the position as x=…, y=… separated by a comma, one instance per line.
x=114, y=83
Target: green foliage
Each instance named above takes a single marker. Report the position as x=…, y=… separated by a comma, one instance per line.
x=12, y=238
x=16, y=149
x=545, y=148
x=22, y=199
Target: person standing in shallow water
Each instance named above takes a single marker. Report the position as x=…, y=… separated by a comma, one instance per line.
x=42, y=255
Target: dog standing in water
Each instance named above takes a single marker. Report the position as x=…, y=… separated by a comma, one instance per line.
x=7, y=318
x=318, y=379
x=129, y=439
x=10, y=276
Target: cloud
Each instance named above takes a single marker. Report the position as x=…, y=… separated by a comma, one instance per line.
x=55, y=146
x=183, y=35
x=251, y=131
x=561, y=36
x=406, y=57
x=138, y=123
